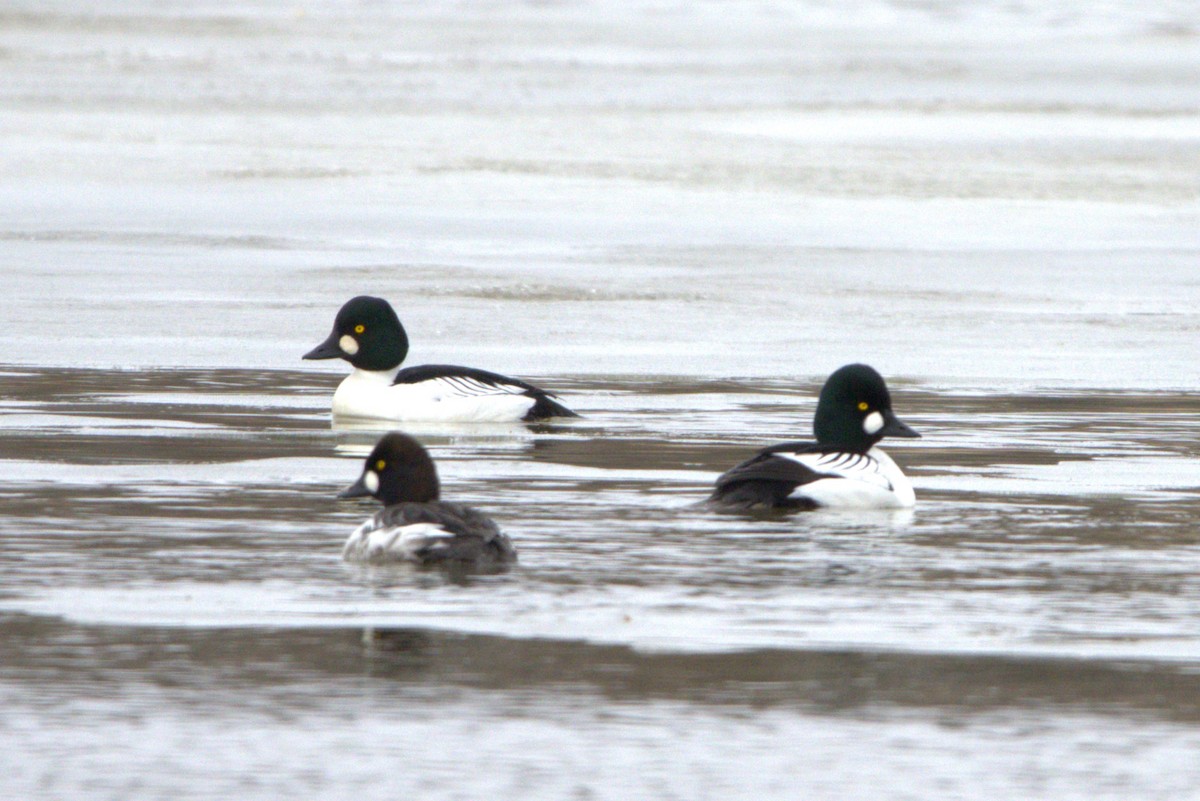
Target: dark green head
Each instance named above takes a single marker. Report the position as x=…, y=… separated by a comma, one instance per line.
x=398, y=470
x=367, y=333
x=855, y=410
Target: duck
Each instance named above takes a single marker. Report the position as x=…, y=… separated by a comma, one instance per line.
x=415, y=526
x=367, y=333
x=843, y=469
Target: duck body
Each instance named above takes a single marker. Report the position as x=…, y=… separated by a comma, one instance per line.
x=368, y=334
x=429, y=534
x=442, y=393
x=800, y=475
x=415, y=525
x=842, y=469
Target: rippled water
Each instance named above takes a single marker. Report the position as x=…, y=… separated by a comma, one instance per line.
x=681, y=216
x=172, y=576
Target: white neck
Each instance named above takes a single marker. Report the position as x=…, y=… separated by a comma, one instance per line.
x=375, y=376
x=901, y=486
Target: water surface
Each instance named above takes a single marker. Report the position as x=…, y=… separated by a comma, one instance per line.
x=172, y=574
x=682, y=217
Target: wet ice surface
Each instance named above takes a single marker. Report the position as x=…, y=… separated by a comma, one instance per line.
x=681, y=216
x=559, y=188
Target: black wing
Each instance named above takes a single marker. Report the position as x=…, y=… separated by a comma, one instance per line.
x=767, y=479
x=471, y=381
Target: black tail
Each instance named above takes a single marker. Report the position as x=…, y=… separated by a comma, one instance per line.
x=546, y=406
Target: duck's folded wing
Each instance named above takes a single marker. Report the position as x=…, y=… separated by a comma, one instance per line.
x=803, y=465
x=450, y=381
x=445, y=532
x=768, y=467
x=451, y=517
x=850, y=465
x=466, y=381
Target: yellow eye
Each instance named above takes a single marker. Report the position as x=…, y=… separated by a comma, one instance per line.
x=863, y=406
x=358, y=329
x=380, y=464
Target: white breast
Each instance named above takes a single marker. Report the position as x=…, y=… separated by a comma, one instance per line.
x=447, y=399
x=864, y=481
x=393, y=544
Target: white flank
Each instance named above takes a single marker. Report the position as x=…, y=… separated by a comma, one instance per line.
x=872, y=422
x=393, y=544
x=861, y=481
x=365, y=393
x=348, y=344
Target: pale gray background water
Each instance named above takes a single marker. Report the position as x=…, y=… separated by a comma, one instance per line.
x=682, y=216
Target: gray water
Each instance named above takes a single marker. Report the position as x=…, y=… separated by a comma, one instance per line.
x=681, y=217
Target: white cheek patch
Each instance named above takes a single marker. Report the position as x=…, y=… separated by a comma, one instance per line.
x=348, y=344
x=873, y=422
x=371, y=481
